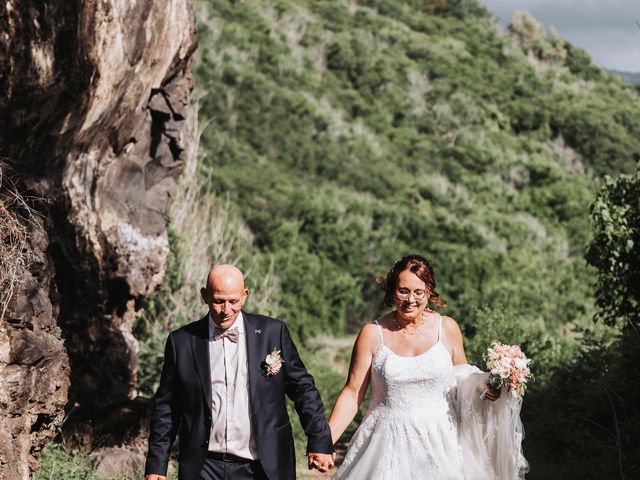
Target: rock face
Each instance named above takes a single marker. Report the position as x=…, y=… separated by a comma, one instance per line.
x=34, y=367
x=94, y=125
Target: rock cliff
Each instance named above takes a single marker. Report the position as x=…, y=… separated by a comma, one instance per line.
x=95, y=122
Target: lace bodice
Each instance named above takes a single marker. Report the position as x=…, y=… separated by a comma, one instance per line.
x=410, y=384
x=417, y=385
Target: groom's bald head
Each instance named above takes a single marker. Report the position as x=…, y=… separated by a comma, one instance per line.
x=224, y=275
x=225, y=294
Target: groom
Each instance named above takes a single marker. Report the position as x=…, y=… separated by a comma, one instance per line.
x=223, y=387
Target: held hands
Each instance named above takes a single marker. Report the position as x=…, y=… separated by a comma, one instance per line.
x=153, y=476
x=321, y=461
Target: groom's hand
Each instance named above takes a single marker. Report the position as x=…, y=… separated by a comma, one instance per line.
x=320, y=461
x=153, y=476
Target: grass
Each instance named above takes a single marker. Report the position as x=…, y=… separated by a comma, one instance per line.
x=57, y=463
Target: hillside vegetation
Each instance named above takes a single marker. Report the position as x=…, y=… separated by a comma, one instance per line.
x=339, y=136
x=347, y=134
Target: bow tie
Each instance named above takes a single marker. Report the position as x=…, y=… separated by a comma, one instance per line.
x=231, y=333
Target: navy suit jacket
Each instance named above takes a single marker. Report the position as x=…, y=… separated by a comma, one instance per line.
x=182, y=404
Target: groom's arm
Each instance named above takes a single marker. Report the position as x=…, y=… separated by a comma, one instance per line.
x=300, y=387
x=165, y=417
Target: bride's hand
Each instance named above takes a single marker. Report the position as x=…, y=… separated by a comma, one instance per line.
x=491, y=393
x=321, y=461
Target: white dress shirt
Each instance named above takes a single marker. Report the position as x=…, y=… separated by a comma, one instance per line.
x=230, y=416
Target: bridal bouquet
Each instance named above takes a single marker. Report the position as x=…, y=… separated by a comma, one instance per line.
x=508, y=367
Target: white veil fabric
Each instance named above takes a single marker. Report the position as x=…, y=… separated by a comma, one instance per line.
x=489, y=433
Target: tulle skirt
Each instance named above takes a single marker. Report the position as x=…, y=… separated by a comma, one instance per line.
x=482, y=440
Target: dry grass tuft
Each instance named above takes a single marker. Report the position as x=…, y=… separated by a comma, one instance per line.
x=14, y=251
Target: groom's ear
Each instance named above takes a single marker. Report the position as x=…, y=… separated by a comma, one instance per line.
x=203, y=294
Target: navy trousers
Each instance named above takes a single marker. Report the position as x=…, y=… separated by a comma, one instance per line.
x=219, y=470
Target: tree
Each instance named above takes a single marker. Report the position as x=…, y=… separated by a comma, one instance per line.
x=615, y=252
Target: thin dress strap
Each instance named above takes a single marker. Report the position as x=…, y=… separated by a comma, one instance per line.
x=440, y=328
x=379, y=331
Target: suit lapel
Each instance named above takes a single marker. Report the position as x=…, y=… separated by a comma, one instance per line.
x=200, y=348
x=253, y=334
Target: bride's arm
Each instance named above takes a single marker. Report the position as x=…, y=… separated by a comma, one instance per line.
x=353, y=393
x=452, y=339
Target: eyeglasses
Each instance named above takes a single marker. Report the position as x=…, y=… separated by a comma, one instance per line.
x=404, y=294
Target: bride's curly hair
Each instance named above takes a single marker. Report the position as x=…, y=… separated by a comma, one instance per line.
x=422, y=268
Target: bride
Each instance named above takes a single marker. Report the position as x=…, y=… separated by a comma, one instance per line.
x=426, y=418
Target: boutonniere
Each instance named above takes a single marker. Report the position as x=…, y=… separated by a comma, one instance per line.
x=273, y=362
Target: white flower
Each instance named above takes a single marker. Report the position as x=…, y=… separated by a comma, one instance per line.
x=272, y=357
x=520, y=363
x=273, y=362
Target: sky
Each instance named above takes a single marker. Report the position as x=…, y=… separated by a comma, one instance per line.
x=607, y=29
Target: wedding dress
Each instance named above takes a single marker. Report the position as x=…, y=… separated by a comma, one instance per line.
x=426, y=421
